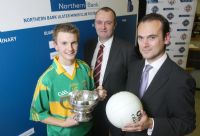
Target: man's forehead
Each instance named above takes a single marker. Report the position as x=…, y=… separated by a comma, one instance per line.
x=147, y=35
x=150, y=23
x=104, y=14
x=149, y=27
x=149, y=32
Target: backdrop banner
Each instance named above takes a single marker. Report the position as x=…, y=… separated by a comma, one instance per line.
x=180, y=14
x=26, y=49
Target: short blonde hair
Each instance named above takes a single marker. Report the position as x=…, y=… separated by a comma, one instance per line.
x=65, y=27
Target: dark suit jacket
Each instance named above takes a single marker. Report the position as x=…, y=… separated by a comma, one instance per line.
x=169, y=99
x=121, y=53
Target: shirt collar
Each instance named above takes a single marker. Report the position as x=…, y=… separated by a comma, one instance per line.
x=59, y=68
x=157, y=64
x=107, y=43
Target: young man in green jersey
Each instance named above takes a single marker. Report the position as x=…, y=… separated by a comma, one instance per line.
x=64, y=75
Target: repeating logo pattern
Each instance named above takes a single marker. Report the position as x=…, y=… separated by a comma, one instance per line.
x=171, y=2
x=179, y=14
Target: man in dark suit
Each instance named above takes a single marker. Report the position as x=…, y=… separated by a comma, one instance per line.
x=168, y=102
x=113, y=73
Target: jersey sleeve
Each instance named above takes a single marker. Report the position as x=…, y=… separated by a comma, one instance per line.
x=40, y=103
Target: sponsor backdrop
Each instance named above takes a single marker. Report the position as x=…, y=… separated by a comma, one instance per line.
x=26, y=49
x=180, y=14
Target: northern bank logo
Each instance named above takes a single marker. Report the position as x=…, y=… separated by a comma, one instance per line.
x=64, y=5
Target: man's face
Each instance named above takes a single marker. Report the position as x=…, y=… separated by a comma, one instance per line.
x=105, y=25
x=66, y=45
x=151, y=41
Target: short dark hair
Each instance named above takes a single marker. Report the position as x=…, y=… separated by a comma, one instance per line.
x=65, y=27
x=107, y=9
x=158, y=17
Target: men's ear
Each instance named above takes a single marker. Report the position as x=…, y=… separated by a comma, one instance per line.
x=167, y=39
x=55, y=45
x=115, y=24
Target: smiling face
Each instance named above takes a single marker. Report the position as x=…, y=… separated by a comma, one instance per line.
x=104, y=24
x=66, y=44
x=151, y=41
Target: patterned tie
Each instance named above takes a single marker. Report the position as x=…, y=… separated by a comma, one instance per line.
x=97, y=68
x=144, y=80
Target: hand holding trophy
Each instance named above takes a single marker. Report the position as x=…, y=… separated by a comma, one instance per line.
x=101, y=92
x=83, y=102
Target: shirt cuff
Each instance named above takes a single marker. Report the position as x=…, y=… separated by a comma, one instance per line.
x=150, y=130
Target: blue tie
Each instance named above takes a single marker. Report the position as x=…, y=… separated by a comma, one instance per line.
x=144, y=80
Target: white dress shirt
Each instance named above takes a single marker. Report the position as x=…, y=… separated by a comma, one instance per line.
x=156, y=66
x=106, y=52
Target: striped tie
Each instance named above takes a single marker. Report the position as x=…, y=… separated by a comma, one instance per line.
x=97, y=68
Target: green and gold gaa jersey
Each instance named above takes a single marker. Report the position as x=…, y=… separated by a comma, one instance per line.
x=52, y=85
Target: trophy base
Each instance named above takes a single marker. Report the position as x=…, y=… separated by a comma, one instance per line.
x=83, y=117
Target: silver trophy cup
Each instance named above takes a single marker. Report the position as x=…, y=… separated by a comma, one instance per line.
x=82, y=102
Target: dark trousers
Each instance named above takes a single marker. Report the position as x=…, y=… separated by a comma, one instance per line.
x=101, y=125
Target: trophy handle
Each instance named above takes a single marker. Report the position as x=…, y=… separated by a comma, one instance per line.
x=62, y=99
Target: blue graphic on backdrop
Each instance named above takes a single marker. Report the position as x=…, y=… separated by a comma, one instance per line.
x=155, y=9
x=24, y=55
x=152, y=1
x=186, y=0
x=130, y=6
x=188, y=8
x=171, y=2
x=65, y=5
x=181, y=49
x=186, y=22
x=170, y=16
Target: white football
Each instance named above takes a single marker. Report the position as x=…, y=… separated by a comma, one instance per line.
x=122, y=108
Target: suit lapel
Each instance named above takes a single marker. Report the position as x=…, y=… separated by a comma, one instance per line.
x=111, y=59
x=138, y=75
x=160, y=79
